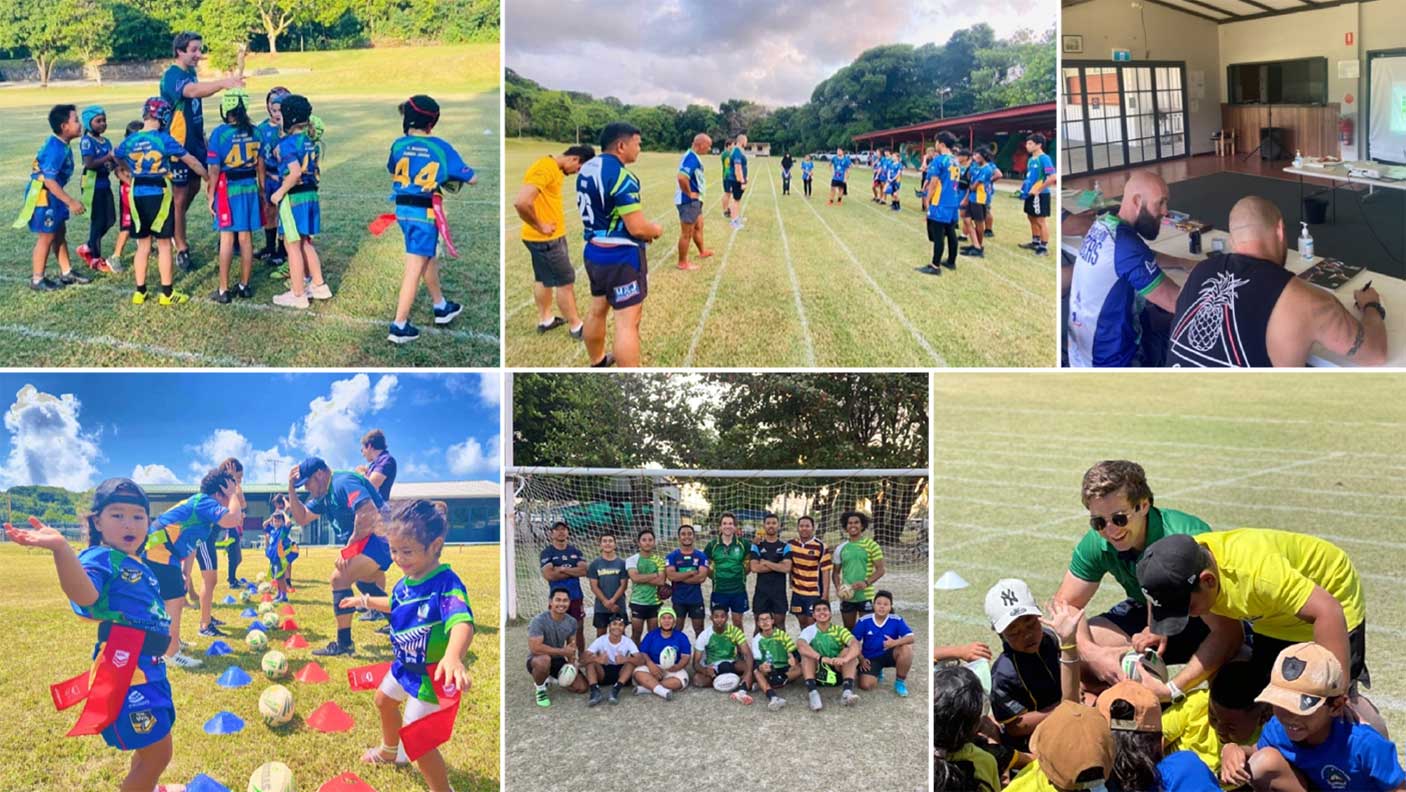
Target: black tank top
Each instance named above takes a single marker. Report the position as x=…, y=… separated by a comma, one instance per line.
x=1223, y=313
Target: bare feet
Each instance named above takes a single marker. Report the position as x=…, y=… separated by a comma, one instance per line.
x=688, y=265
x=705, y=254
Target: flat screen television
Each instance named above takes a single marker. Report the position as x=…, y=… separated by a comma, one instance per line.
x=1302, y=81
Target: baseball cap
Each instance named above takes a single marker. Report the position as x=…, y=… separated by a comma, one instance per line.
x=308, y=467
x=1074, y=747
x=1304, y=676
x=1167, y=574
x=1007, y=601
x=1147, y=710
x=119, y=490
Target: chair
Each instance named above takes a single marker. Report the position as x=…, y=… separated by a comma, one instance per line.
x=1225, y=142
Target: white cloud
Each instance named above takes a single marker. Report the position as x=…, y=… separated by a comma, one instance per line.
x=261, y=466
x=412, y=469
x=334, y=424
x=469, y=459
x=490, y=388
x=47, y=443
x=154, y=474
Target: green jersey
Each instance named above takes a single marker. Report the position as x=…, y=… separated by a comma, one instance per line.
x=729, y=566
x=830, y=641
x=1095, y=557
x=776, y=649
x=856, y=559
x=721, y=647
x=727, y=166
x=644, y=593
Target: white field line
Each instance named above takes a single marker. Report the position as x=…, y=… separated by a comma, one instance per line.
x=1026, y=484
x=35, y=333
x=893, y=306
x=1200, y=460
x=1224, y=418
x=1125, y=442
x=245, y=305
x=791, y=271
x=988, y=270
x=713, y=290
x=977, y=621
x=1077, y=470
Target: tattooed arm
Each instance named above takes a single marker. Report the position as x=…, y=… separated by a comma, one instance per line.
x=1361, y=339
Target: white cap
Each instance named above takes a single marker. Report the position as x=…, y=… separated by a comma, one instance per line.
x=1007, y=601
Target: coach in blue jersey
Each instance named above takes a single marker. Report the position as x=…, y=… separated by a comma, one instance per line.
x=688, y=199
x=616, y=231
x=1114, y=266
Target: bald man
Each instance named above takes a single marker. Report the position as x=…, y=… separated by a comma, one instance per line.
x=1114, y=266
x=689, y=200
x=1243, y=308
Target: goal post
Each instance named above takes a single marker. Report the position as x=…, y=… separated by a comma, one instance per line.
x=624, y=501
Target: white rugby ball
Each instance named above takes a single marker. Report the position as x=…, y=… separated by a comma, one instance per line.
x=846, y=591
x=726, y=682
x=566, y=675
x=276, y=705
x=272, y=777
x=668, y=656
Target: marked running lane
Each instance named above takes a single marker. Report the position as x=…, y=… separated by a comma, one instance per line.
x=713, y=291
x=893, y=306
x=39, y=334
x=791, y=271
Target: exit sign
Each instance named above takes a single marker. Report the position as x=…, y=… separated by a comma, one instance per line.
x=1122, y=55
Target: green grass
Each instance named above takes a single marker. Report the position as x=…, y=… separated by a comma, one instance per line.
x=803, y=283
x=1310, y=453
x=47, y=643
x=355, y=93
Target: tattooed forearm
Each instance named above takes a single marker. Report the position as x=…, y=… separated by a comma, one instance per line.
x=1357, y=342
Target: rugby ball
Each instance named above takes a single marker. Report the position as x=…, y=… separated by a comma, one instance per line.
x=257, y=639
x=668, y=657
x=1139, y=665
x=245, y=597
x=845, y=591
x=265, y=607
x=276, y=705
x=666, y=591
x=272, y=777
x=265, y=587
x=566, y=675
x=726, y=682
x=275, y=665
x=269, y=619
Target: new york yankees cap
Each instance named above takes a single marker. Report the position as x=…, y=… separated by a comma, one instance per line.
x=1007, y=601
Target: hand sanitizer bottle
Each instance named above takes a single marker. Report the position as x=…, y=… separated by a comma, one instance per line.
x=1306, y=244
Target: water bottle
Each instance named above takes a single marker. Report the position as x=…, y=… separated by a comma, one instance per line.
x=1298, y=159
x=1306, y=244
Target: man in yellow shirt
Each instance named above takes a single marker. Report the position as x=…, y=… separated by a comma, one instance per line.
x=539, y=205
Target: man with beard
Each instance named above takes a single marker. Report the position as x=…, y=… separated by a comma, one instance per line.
x=1114, y=266
x=1244, y=309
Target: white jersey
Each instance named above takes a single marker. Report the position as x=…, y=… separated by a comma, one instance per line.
x=615, y=653
x=1113, y=267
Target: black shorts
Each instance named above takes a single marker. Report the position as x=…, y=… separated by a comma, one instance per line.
x=725, y=667
x=837, y=183
x=777, y=679
x=148, y=207
x=1037, y=205
x=693, y=610
x=170, y=581
x=877, y=664
x=600, y=617
x=769, y=602
x=801, y=605
x=619, y=273
x=867, y=606
x=1265, y=650
x=737, y=190
x=1131, y=617
x=557, y=663
x=610, y=674
x=206, y=555
x=977, y=212
x=644, y=612
x=551, y=264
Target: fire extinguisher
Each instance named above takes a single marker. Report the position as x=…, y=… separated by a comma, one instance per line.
x=1345, y=127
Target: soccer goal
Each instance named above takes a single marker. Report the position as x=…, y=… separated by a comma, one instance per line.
x=626, y=501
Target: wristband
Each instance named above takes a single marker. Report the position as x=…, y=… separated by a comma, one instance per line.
x=1378, y=306
x=1068, y=647
x=1177, y=695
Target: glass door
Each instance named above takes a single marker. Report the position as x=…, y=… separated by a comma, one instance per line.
x=1117, y=114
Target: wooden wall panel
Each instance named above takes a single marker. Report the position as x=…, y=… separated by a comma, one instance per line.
x=1312, y=129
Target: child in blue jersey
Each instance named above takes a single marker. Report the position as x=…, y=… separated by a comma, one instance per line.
x=236, y=171
x=893, y=181
x=943, y=199
x=421, y=166
x=145, y=158
x=124, y=205
x=98, y=162
x=431, y=625
x=886, y=642
x=299, y=213
x=807, y=171
x=995, y=176
x=839, y=166
x=270, y=131
x=108, y=584
x=964, y=163
x=47, y=207
x=1035, y=191
x=281, y=551
x=976, y=202
x=879, y=162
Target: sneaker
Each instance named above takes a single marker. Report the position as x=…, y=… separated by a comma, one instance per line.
x=263, y=254
x=290, y=300
x=614, y=696
x=542, y=699
x=138, y=297
x=990, y=233
x=282, y=270
x=183, y=660
x=403, y=335
x=1029, y=245
x=688, y=266
x=775, y=703
x=741, y=697
x=736, y=225
x=900, y=688
x=221, y=297
x=950, y=264
x=334, y=649
x=1041, y=250
x=961, y=237
x=928, y=269
x=829, y=203
x=321, y=291
x=175, y=298
x=556, y=322
x=815, y=704
x=605, y=362
x=642, y=691
x=86, y=253
x=280, y=263
x=579, y=333
x=114, y=264
x=102, y=265
x=183, y=260
x=595, y=698
x=370, y=616
x=879, y=677
x=216, y=622
x=185, y=645
x=848, y=697
x=668, y=695
x=446, y=314
x=211, y=631
x=45, y=284
x=70, y=278
x=243, y=291
x=975, y=252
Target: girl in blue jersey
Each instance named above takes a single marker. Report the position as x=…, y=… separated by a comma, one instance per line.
x=281, y=552
x=270, y=131
x=421, y=165
x=109, y=584
x=236, y=172
x=431, y=625
x=299, y=213
x=98, y=162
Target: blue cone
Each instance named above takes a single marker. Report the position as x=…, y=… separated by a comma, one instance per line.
x=249, y=613
x=257, y=625
x=218, y=648
x=204, y=783
x=233, y=677
x=228, y=600
x=222, y=723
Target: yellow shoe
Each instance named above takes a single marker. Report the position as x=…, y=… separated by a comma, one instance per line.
x=176, y=298
x=138, y=298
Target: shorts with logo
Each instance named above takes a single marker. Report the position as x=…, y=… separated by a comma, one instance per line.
x=735, y=602
x=690, y=211
x=1037, y=205
x=48, y=219
x=867, y=606
x=551, y=264
x=689, y=610
x=147, y=714
x=644, y=612
x=148, y=209
x=877, y=664
x=619, y=273
x=801, y=604
x=206, y=556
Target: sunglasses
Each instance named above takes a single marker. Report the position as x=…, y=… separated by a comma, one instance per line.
x=1119, y=519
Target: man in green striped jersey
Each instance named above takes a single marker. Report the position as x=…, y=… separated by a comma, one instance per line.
x=859, y=562
x=646, y=572
x=774, y=650
x=723, y=649
x=829, y=656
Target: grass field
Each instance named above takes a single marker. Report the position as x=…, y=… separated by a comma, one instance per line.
x=1311, y=453
x=802, y=284
x=355, y=93
x=707, y=741
x=47, y=643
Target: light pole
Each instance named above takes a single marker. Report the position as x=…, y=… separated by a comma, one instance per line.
x=941, y=108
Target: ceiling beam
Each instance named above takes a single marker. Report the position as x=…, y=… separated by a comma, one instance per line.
x=1217, y=9
x=1186, y=10
x=1260, y=6
x=1313, y=5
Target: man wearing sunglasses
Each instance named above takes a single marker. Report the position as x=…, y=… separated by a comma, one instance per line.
x=1123, y=522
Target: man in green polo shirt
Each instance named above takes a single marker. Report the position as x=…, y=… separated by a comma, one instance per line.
x=1123, y=522
x=727, y=559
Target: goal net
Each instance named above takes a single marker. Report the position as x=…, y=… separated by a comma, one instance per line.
x=593, y=500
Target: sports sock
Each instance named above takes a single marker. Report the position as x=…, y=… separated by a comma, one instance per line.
x=344, y=636
x=770, y=694
x=166, y=289
x=541, y=687
x=661, y=691
x=849, y=683
x=441, y=305
x=141, y=289
x=33, y=279
x=370, y=589
x=270, y=239
x=810, y=684
x=595, y=688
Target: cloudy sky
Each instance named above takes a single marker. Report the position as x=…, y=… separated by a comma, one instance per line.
x=74, y=430
x=775, y=52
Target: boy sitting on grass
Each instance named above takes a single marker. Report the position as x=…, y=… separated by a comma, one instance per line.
x=1025, y=679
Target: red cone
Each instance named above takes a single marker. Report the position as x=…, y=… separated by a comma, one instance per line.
x=286, y=610
x=266, y=598
x=346, y=782
x=330, y=718
x=311, y=674
x=289, y=624
x=295, y=641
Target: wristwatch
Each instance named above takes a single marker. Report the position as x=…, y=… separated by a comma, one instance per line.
x=1374, y=304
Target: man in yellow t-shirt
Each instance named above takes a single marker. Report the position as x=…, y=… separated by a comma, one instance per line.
x=538, y=203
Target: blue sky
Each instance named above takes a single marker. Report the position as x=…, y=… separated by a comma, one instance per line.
x=73, y=430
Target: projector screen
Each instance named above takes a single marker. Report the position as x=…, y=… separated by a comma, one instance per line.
x=1386, y=119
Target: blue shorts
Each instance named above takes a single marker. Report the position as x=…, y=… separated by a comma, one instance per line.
x=421, y=238
x=892, y=188
x=378, y=550
x=146, y=717
x=49, y=219
x=878, y=664
x=737, y=602
x=307, y=215
x=244, y=214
